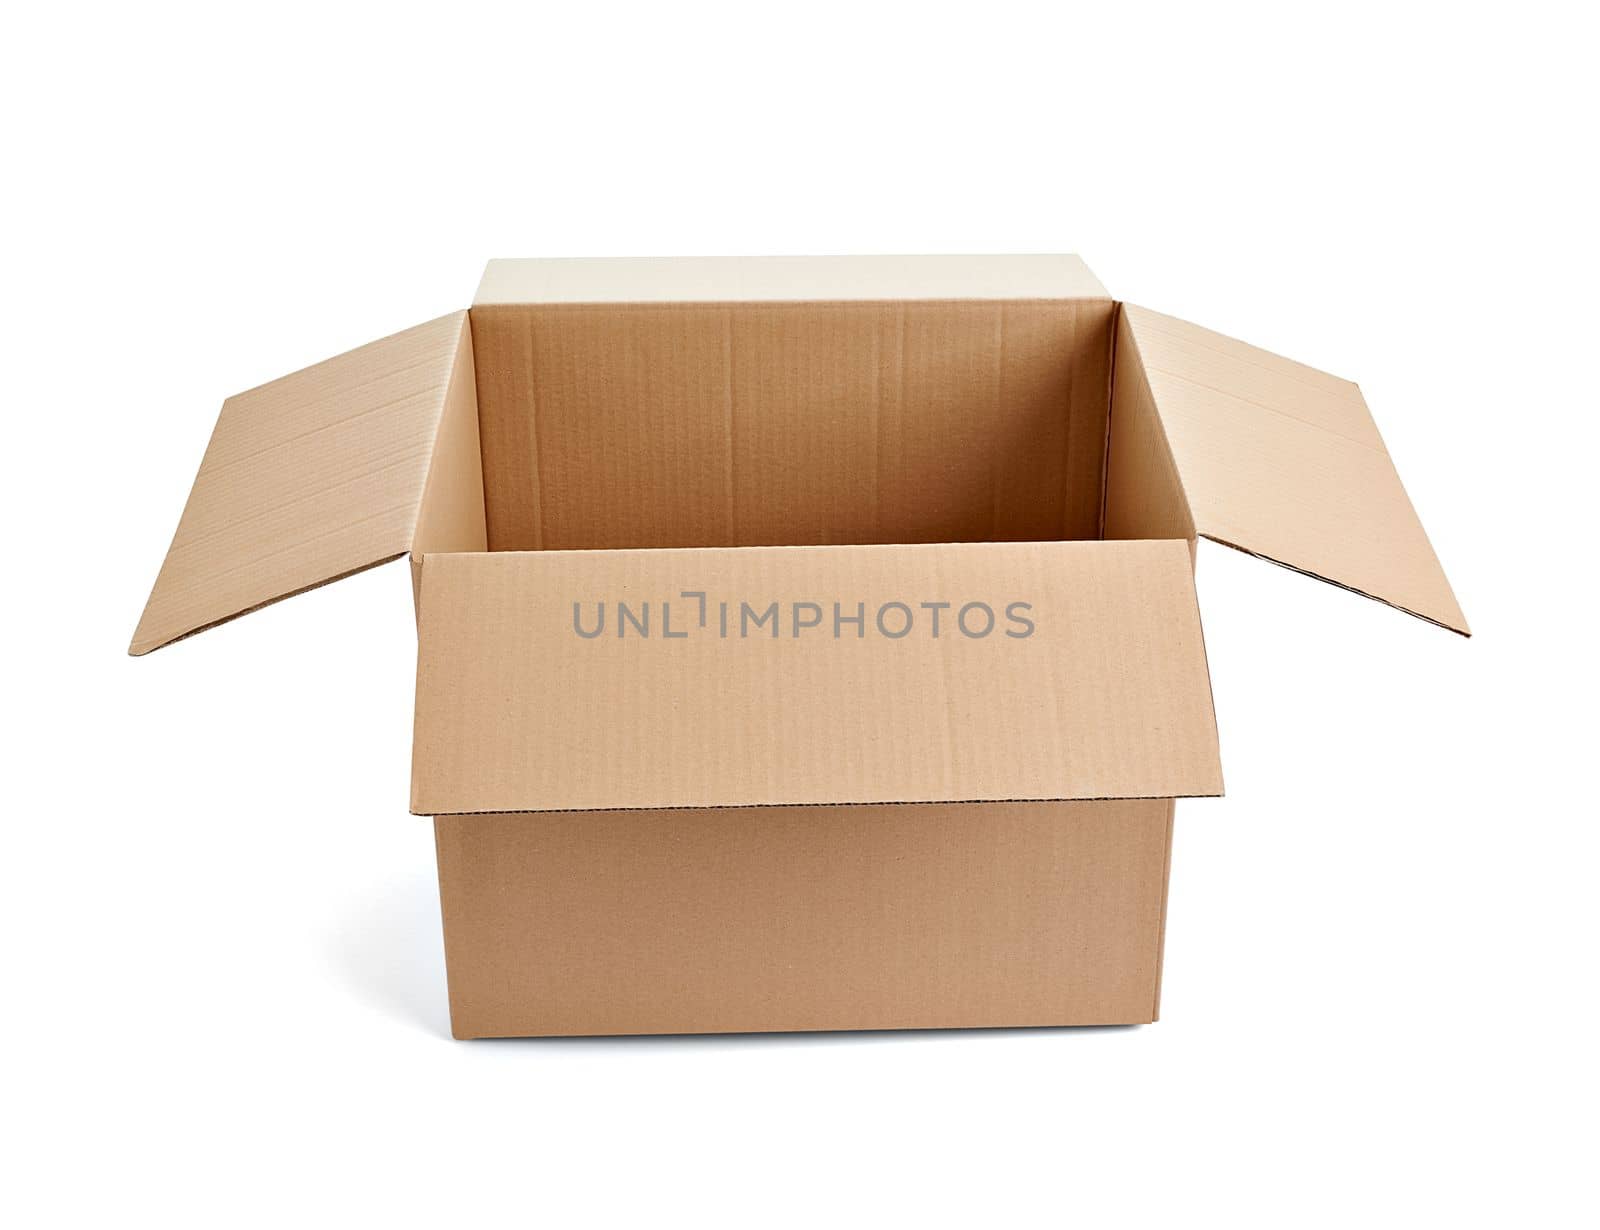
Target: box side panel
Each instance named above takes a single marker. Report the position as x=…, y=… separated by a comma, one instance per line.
x=1143, y=494
x=1161, y=931
x=451, y=516
x=792, y=424
x=897, y=917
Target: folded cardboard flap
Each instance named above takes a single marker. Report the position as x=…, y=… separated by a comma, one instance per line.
x=785, y=279
x=722, y=677
x=737, y=402
x=320, y=474
x=1279, y=460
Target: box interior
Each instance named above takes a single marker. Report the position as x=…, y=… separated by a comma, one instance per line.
x=675, y=854
x=787, y=401
x=801, y=423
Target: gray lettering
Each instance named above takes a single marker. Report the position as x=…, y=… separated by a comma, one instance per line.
x=747, y=614
x=813, y=622
x=599, y=627
x=1021, y=620
x=641, y=622
x=988, y=614
x=884, y=628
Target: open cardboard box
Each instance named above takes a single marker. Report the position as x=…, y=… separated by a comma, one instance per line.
x=803, y=643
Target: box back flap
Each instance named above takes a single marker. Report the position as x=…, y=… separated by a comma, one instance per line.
x=310, y=478
x=790, y=279
x=730, y=680
x=1284, y=461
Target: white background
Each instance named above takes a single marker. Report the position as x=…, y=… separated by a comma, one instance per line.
x=223, y=973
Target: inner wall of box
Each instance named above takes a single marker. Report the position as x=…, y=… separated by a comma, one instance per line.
x=753, y=424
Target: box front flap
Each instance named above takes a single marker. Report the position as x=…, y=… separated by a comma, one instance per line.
x=309, y=478
x=1283, y=461
x=810, y=675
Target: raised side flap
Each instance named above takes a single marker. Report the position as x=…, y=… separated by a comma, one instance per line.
x=310, y=478
x=1283, y=461
x=768, y=675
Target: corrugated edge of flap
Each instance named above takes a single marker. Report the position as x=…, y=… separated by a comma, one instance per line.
x=1284, y=462
x=784, y=279
x=308, y=479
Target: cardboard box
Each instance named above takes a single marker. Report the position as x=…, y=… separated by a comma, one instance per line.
x=803, y=643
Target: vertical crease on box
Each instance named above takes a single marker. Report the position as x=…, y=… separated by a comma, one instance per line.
x=877, y=425
x=1161, y=919
x=1110, y=405
x=729, y=415
x=996, y=417
x=533, y=436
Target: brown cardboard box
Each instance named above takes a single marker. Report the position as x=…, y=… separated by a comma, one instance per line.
x=803, y=643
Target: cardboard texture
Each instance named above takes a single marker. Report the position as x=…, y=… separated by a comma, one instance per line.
x=308, y=479
x=692, y=425
x=1106, y=698
x=789, y=918
x=1285, y=462
x=804, y=643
